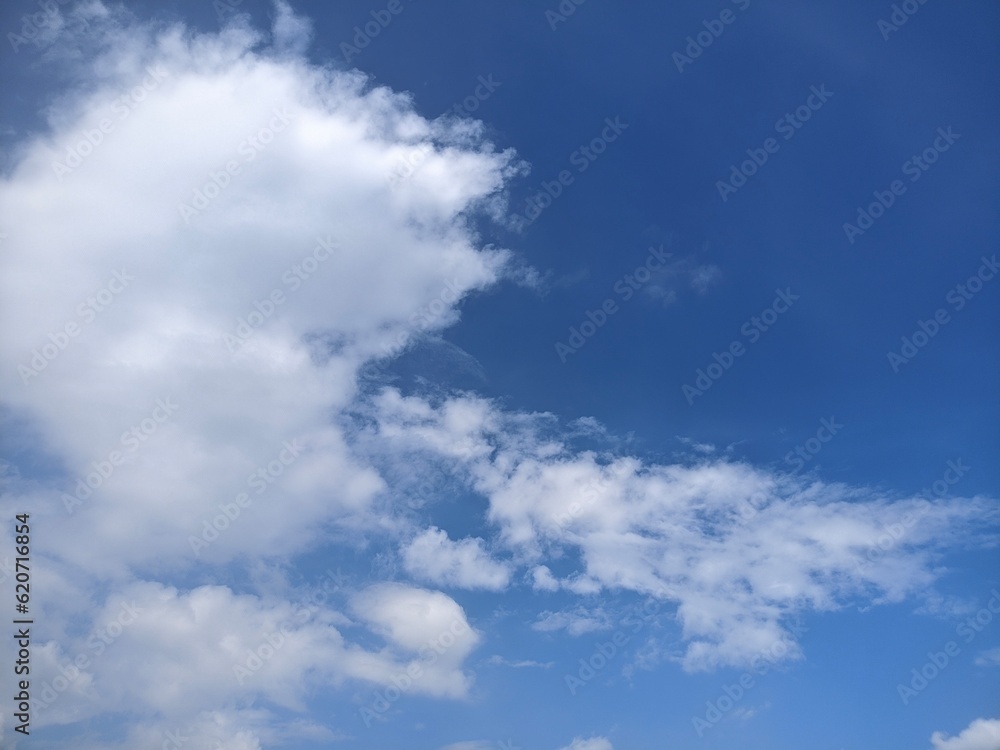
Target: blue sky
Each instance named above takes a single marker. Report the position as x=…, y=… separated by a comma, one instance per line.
x=562, y=364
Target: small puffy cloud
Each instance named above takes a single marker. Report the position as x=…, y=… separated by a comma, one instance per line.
x=411, y=616
x=981, y=734
x=498, y=661
x=466, y=564
x=575, y=622
x=704, y=277
x=427, y=628
x=290, y=33
x=696, y=446
x=988, y=658
x=543, y=580
x=668, y=280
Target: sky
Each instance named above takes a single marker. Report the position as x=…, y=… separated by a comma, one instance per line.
x=499, y=376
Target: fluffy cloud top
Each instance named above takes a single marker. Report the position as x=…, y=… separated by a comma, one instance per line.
x=204, y=247
x=981, y=734
x=202, y=250
x=464, y=564
x=231, y=247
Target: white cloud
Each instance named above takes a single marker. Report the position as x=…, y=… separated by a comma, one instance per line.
x=704, y=277
x=741, y=551
x=575, y=622
x=498, y=661
x=433, y=557
x=428, y=628
x=593, y=743
x=290, y=33
x=668, y=280
x=543, y=580
x=696, y=446
x=163, y=336
x=224, y=168
x=115, y=297
x=222, y=729
x=210, y=646
x=989, y=658
x=981, y=734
